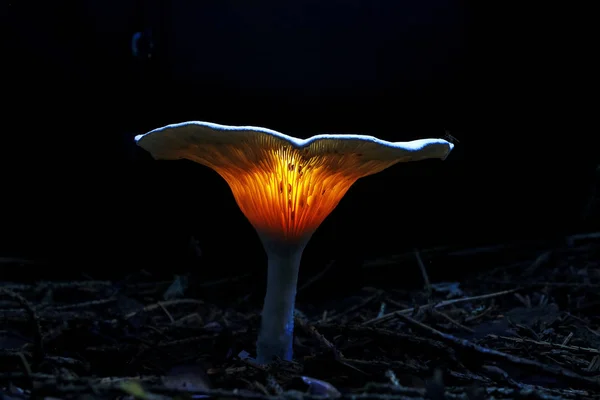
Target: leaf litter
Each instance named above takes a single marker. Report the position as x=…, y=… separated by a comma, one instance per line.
x=525, y=326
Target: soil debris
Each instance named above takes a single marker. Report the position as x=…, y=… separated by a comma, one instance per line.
x=527, y=326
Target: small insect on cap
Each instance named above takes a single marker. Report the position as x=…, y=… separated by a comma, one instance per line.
x=285, y=186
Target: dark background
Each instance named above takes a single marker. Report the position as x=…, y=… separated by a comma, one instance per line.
x=78, y=194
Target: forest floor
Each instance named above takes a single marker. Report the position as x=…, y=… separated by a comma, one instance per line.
x=529, y=327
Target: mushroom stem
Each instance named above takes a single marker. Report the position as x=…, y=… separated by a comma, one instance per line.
x=277, y=320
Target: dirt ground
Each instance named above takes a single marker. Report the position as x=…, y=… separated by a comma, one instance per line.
x=528, y=327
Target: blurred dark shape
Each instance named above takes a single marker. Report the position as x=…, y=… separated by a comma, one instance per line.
x=190, y=377
x=142, y=45
x=317, y=387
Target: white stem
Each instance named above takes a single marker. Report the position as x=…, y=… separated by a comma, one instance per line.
x=277, y=324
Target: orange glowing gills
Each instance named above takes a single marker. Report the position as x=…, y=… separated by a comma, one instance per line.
x=285, y=186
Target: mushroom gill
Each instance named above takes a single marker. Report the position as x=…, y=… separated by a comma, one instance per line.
x=284, y=186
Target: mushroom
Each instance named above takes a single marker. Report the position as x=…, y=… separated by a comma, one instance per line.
x=285, y=187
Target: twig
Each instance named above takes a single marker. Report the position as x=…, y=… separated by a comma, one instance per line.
x=453, y=321
x=38, y=351
x=163, y=304
x=445, y=303
x=75, y=284
x=423, y=272
x=312, y=331
x=398, y=366
x=83, y=304
x=14, y=260
x=582, y=236
x=317, y=276
x=464, y=344
x=355, y=307
x=397, y=337
x=547, y=344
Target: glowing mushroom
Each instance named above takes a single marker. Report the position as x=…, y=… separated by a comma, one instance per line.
x=285, y=187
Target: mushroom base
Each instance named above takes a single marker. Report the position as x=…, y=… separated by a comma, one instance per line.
x=277, y=324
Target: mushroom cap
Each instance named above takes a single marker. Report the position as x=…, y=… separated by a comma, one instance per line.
x=284, y=185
